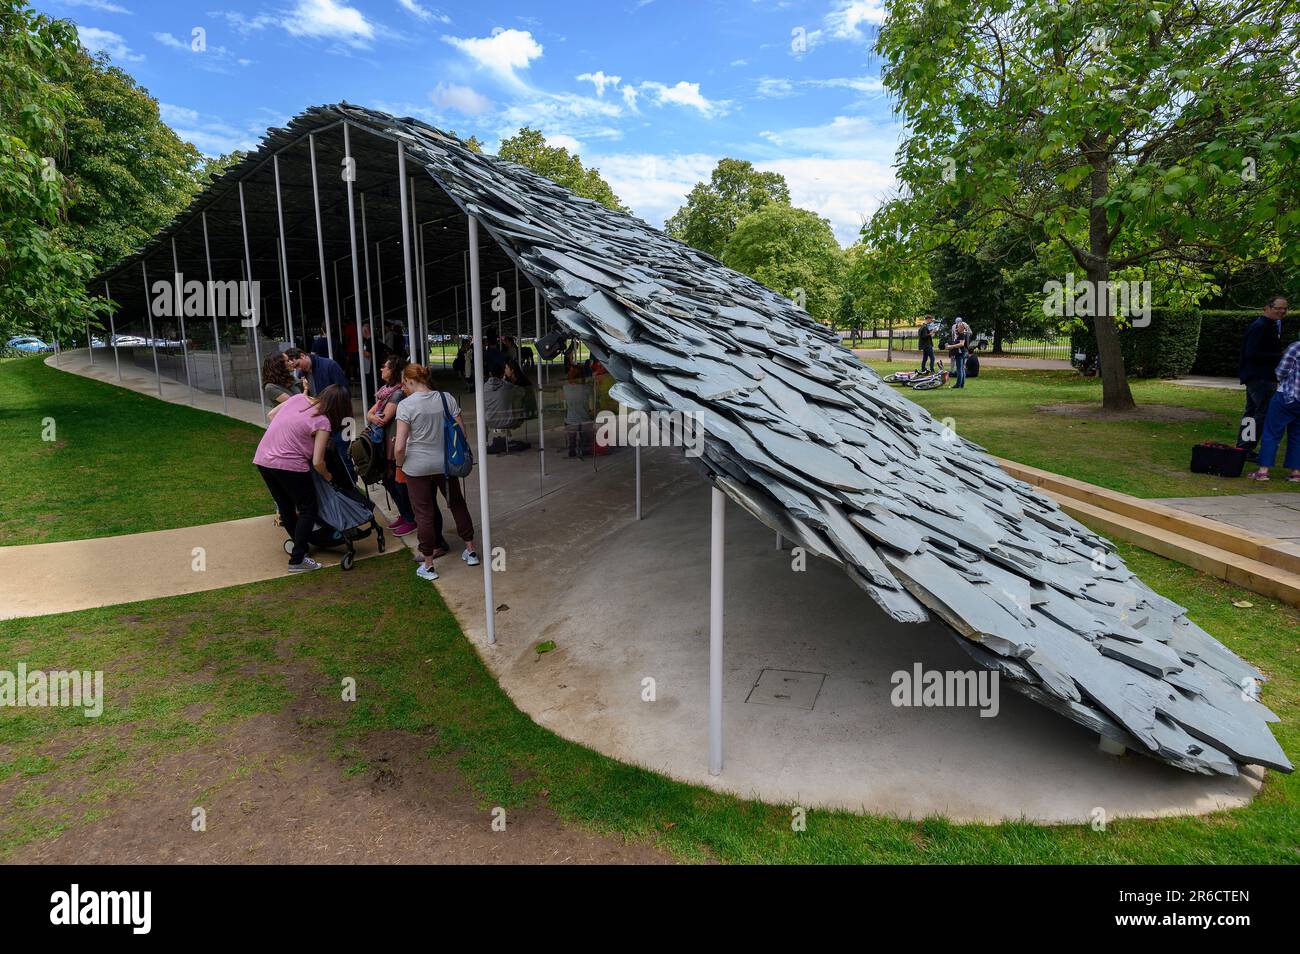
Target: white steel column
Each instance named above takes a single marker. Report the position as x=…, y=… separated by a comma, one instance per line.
x=541, y=395
x=356, y=274
x=180, y=313
x=480, y=431
x=112, y=330
x=90, y=344
x=284, y=252
x=406, y=249
x=376, y=334
x=254, y=332
x=717, y=540
x=148, y=310
x=320, y=250
x=636, y=454
x=216, y=332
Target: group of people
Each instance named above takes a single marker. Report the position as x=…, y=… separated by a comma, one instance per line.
x=1270, y=370
x=310, y=401
x=959, y=341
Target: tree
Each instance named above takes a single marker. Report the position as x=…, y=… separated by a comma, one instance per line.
x=793, y=252
x=713, y=209
x=885, y=294
x=1137, y=134
x=129, y=173
x=42, y=278
x=528, y=147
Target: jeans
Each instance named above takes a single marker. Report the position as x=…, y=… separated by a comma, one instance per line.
x=1258, y=395
x=401, y=497
x=959, y=365
x=1283, y=418
x=428, y=515
x=295, y=497
x=927, y=354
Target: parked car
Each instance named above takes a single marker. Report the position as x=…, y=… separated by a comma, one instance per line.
x=29, y=344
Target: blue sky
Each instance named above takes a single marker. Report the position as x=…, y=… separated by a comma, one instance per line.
x=653, y=92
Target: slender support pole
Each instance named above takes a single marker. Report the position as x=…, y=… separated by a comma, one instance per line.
x=112, y=330
x=541, y=394
x=253, y=295
x=338, y=306
x=356, y=275
x=320, y=250
x=519, y=312
x=379, y=280
x=636, y=454
x=406, y=248
x=284, y=251
x=180, y=312
x=779, y=541
x=90, y=344
x=480, y=430
x=153, y=342
x=376, y=334
x=216, y=332
x=717, y=540
x=418, y=351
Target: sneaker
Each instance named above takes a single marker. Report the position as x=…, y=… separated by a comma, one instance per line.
x=426, y=572
x=470, y=557
x=401, y=528
x=306, y=566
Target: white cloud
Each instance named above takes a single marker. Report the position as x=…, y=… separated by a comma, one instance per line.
x=166, y=39
x=653, y=186
x=599, y=80
x=212, y=136
x=106, y=41
x=424, y=13
x=563, y=141
x=329, y=19
x=629, y=97
x=739, y=63
x=846, y=20
x=775, y=88
x=686, y=94
x=502, y=53
x=843, y=137
x=844, y=191
x=461, y=99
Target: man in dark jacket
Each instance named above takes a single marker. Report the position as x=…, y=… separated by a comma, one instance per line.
x=1261, y=350
x=321, y=373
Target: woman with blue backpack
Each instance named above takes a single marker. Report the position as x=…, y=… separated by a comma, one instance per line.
x=432, y=455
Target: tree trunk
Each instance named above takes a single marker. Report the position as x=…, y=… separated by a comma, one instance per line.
x=1115, y=393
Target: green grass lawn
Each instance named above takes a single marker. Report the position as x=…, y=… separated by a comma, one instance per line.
x=1145, y=458
x=119, y=462
x=182, y=672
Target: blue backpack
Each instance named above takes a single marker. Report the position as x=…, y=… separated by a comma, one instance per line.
x=456, y=456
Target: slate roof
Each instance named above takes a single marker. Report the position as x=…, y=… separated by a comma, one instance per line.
x=811, y=442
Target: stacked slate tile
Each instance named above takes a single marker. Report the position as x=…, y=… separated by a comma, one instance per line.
x=816, y=446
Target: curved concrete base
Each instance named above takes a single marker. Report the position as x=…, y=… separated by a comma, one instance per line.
x=627, y=601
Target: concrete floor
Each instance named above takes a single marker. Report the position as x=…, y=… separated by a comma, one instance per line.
x=626, y=601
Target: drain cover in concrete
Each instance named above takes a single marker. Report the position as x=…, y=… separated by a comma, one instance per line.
x=781, y=687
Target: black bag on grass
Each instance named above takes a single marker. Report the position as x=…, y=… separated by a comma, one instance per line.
x=1221, y=460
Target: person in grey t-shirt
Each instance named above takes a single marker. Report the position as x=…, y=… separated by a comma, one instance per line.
x=422, y=459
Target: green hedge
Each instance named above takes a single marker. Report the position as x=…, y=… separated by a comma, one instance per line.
x=1166, y=348
x=1219, y=353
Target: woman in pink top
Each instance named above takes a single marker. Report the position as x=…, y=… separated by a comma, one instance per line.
x=294, y=443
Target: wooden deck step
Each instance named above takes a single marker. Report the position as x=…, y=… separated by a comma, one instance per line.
x=1157, y=516
x=1258, y=577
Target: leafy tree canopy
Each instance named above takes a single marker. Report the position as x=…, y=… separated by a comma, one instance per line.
x=529, y=148
x=713, y=209
x=1136, y=134
x=791, y=251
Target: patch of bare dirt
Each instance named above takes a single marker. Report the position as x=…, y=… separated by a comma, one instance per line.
x=1157, y=413
x=275, y=791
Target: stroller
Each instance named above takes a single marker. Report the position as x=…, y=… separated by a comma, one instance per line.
x=343, y=514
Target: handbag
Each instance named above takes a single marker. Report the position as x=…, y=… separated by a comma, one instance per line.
x=456, y=456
